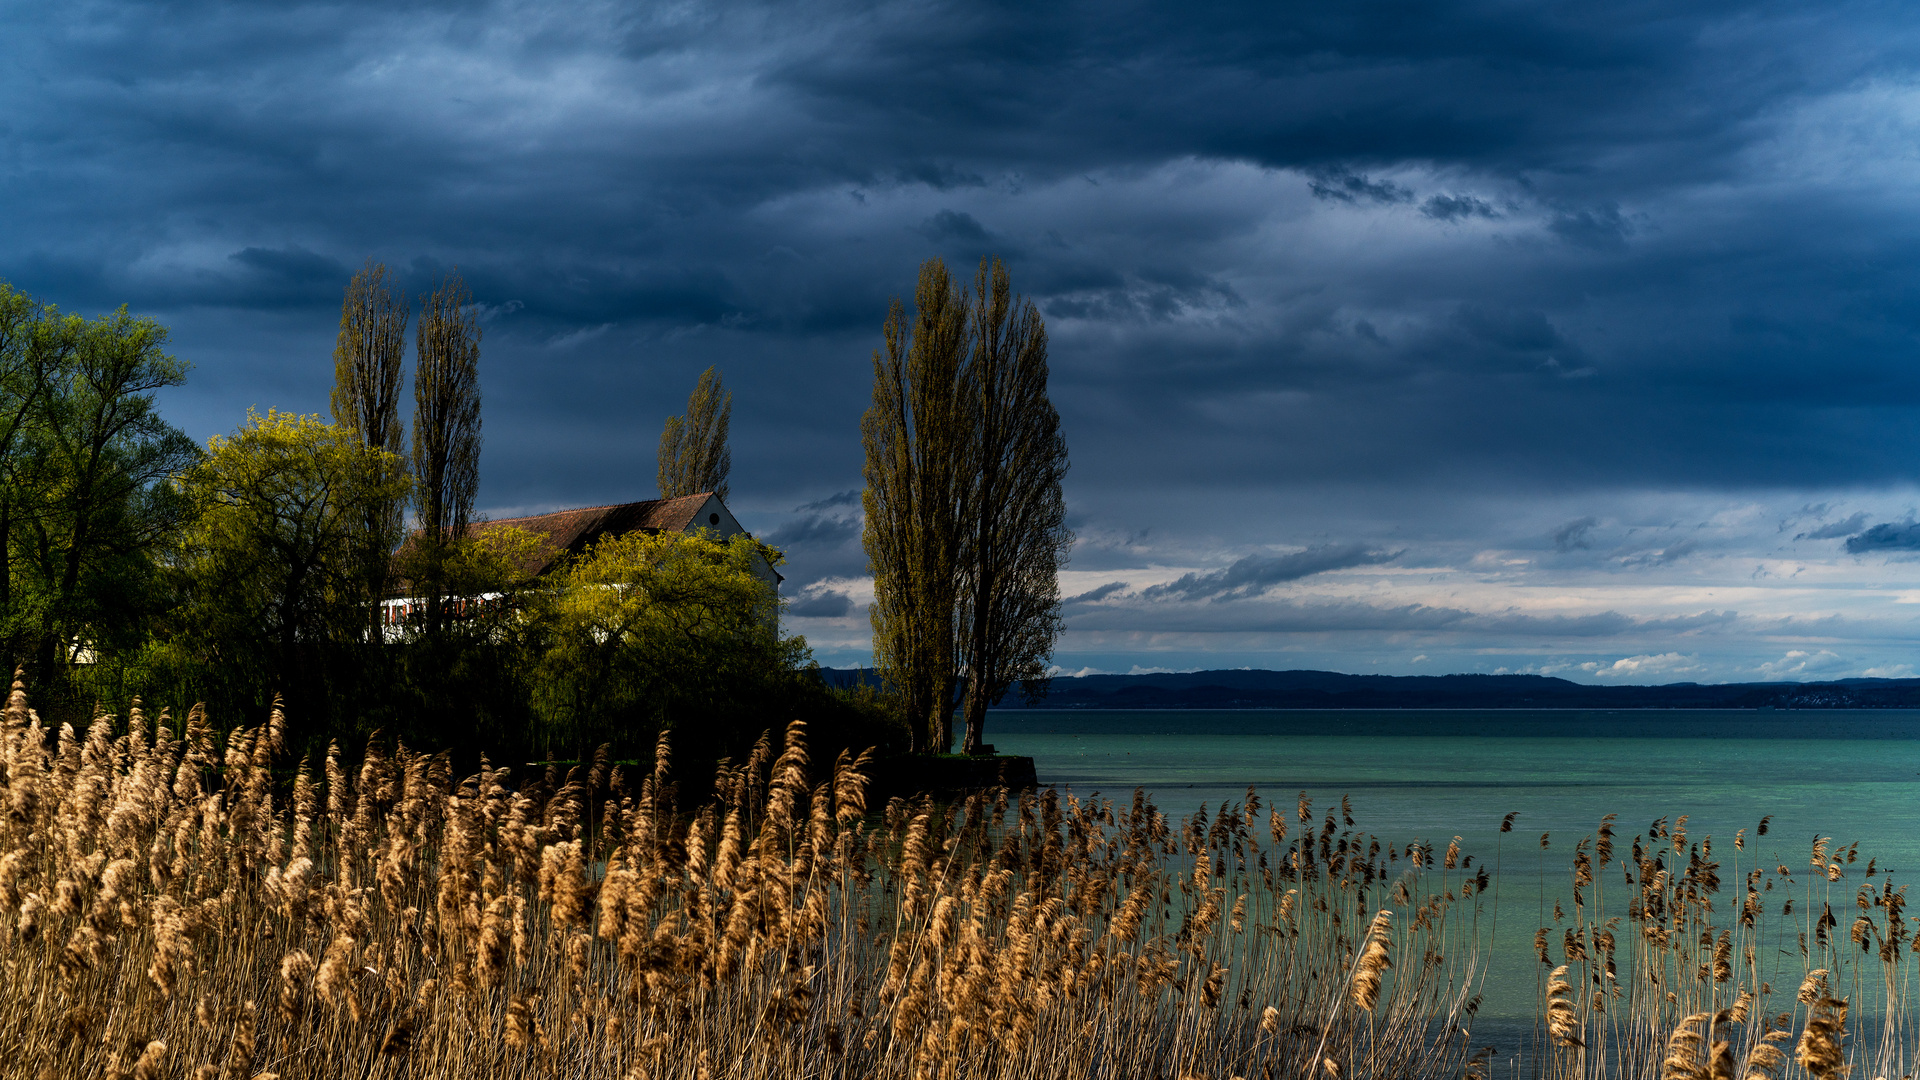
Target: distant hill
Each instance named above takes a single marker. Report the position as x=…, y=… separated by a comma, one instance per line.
x=1244, y=689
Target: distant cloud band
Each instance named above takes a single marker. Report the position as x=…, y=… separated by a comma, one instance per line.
x=1256, y=574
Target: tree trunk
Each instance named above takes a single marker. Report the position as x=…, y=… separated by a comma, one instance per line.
x=980, y=662
x=6, y=574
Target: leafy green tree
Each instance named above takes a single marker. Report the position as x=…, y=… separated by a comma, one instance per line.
x=271, y=572
x=918, y=435
x=1016, y=537
x=35, y=342
x=366, y=397
x=88, y=499
x=490, y=576
x=693, y=448
x=647, y=632
x=446, y=434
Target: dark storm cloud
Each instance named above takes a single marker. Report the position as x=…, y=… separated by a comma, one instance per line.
x=821, y=541
x=292, y=275
x=1601, y=228
x=1457, y=207
x=822, y=604
x=1886, y=536
x=1573, y=535
x=637, y=166
x=1281, y=249
x=1837, y=529
x=1661, y=556
x=843, y=500
x=1344, y=186
x=1255, y=574
x=951, y=225
x=1362, y=617
x=1097, y=594
x=814, y=529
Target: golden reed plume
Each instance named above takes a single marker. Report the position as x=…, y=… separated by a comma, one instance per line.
x=178, y=902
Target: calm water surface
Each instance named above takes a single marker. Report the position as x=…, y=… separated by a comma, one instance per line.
x=1432, y=775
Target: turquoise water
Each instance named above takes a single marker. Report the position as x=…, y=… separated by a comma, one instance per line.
x=1432, y=775
x=1855, y=775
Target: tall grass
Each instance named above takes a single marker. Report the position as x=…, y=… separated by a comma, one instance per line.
x=171, y=906
x=1661, y=974
x=168, y=909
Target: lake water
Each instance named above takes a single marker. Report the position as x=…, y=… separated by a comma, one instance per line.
x=1432, y=775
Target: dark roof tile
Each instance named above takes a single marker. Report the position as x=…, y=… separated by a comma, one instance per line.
x=570, y=532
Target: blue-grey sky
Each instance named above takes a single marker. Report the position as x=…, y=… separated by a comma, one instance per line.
x=1388, y=336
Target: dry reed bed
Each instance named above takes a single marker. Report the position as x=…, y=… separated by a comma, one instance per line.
x=1658, y=975
x=167, y=910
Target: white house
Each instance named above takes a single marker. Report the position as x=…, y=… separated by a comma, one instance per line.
x=569, y=532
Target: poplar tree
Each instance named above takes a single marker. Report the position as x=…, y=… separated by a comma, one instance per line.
x=366, y=397
x=693, y=448
x=1016, y=538
x=918, y=445
x=446, y=433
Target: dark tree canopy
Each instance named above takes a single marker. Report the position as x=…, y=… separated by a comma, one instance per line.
x=85, y=503
x=367, y=362
x=918, y=461
x=446, y=431
x=965, y=522
x=1017, y=539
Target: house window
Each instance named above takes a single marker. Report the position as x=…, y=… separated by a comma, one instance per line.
x=713, y=519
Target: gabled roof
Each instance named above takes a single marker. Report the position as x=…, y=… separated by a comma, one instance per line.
x=569, y=532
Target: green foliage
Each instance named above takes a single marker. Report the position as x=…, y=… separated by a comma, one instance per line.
x=918, y=446
x=490, y=580
x=693, y=448
x=494, y=561
x=649, y=632
x=138, y=565
x=270, y=576
x=84, y=500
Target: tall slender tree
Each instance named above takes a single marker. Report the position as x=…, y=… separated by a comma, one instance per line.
x=1016, y=537
x=446, y=434
x=693, y=448
x=367, y=360
x=918, y=461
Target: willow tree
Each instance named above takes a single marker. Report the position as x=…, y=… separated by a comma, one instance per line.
x=1016, y=537
x=446, y=434
x=918, y=465
x=693, y=448
x=269, y=574
x=367, y=359
x=90, y=501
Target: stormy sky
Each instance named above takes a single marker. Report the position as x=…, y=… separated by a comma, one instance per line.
x=1388, y=337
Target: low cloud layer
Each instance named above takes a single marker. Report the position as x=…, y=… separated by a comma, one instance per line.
x=1886, y=536
x=1255, y=574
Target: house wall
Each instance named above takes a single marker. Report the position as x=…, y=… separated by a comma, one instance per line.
x=717, y=519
